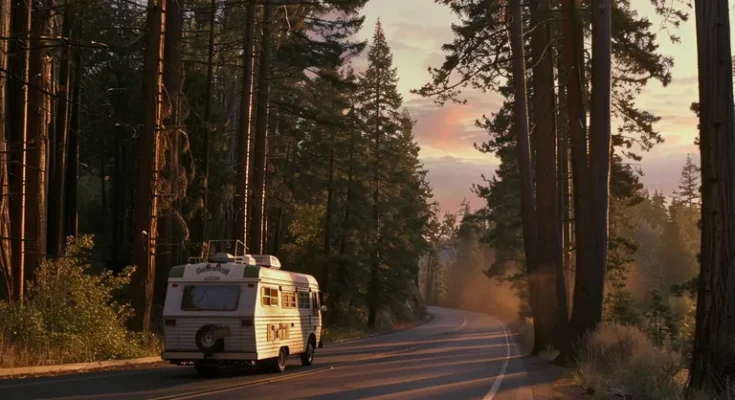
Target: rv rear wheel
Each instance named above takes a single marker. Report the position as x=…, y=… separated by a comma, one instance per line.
x=281, y=360
x=307, y=357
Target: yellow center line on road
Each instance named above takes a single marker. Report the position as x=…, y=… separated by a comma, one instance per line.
x=227, y=388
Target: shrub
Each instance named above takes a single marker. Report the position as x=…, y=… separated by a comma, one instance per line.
x=70, y=315
x=622, y=362
x=526, y=334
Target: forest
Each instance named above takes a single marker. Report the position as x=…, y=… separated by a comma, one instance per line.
x=627, y=287
x=132, y=132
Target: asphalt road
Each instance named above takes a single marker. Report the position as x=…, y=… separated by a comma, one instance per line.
x=458, y=355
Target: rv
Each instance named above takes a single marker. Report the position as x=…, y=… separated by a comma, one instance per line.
x=240, y=310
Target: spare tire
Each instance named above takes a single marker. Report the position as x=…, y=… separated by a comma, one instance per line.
x=207, y=340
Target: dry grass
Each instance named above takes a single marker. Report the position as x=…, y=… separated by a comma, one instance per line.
x=621, y=362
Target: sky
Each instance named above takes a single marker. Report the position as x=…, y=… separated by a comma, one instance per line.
x=416, y=30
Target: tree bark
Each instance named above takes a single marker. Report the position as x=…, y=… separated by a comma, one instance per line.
x=243, y=144
x=547, y=271
x=574, y=78
x=715, y=319
x=590, y=281
x=56, y=188
x=38, y=116
x=374, y=286
x=71, y=214
x=327, y=249
x=172, y=115
x=563, y=175
x=528, y=211
x=257, y=223
x=18, y=112
x=203, y=215
x=146, y=204
x=6, y=244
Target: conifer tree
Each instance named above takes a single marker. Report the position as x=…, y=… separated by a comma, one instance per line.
x=380, y=105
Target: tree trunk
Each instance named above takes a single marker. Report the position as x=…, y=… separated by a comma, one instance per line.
x=18, y=112
x=202, y=223
x=528, y=212
x=38, y=116
x=564, y=177
x=545, y=275
x=574, y=78
x=56, y=188
x=172, y=124
x=256, y=237
x=590, y=283
x=6, y=244
x=712, y=354
x=146, y=204
x=243, y=150
x=327, y=250
x=374, y=286
x=71, y=219
x=345, y=228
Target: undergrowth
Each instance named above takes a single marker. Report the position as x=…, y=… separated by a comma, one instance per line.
x=70, y=314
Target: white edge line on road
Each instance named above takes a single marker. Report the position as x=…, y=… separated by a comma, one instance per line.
x=501, y=375
x=464, y=323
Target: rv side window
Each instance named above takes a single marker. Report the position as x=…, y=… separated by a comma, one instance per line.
x=269, y=297
x=289, y=299
x=316, y=300
x=304, y=300
x=210, y=298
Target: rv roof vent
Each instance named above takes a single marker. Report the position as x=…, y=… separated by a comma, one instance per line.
x=222, y=258
x=265, y=260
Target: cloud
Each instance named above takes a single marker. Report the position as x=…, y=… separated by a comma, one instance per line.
x=452, y=127
x=452, y=178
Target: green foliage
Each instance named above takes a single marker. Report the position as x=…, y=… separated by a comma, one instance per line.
x=661, y=325
x=70, y=315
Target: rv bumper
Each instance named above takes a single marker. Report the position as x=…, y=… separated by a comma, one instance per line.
x=193, y=355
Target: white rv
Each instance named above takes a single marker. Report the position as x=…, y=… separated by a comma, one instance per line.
x=231, y=310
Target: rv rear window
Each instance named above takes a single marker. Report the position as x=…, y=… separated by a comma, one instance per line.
x=269, y=297
x=210, y=298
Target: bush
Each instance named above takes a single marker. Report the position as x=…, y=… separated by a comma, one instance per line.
x=622, y=362
x=70, y=315
x=526, y=334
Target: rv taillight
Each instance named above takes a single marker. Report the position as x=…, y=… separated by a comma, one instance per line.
x=246, y=323
x=170, y=322
x=174, y=285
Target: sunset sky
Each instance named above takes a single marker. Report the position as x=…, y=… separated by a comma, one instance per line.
x=416, y=30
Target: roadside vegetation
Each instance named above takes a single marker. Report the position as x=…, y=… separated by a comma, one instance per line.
x=272, y=139
x=71, y=314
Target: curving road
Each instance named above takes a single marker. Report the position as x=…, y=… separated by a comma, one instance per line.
x=458, y=355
